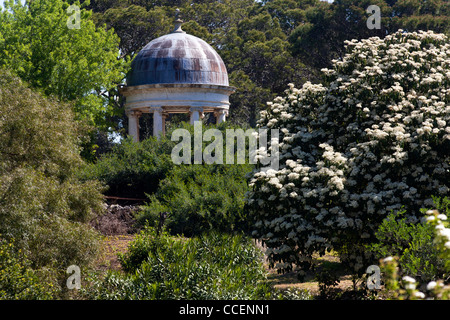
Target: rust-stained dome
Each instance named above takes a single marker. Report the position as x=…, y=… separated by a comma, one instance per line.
x=178, y=58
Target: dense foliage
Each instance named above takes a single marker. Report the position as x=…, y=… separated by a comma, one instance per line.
x=43, y=207
x=198, y=198
x=201, y=198
x=374, y=139
x=403, y=285
x=79, y=65
x=413, y=244
x=131, y=169
x=17, y=280
x=213, y=266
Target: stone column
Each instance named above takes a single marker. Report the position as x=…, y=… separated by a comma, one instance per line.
x=133, y=124
x=196, y=114
x=158, y=124
x=221, y=115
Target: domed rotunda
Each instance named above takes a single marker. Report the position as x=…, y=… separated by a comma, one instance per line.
x=176, y=73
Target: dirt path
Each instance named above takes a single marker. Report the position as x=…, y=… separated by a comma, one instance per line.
x=111, y=246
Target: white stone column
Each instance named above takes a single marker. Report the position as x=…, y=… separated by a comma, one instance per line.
x=158, y=123
x=221, y=115
x=133, y=124
x=196, y=114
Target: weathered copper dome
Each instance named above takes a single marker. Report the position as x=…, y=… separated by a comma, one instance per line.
x=176, y=73
x=178, y=58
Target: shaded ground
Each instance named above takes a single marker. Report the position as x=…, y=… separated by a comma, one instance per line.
x=290, y=280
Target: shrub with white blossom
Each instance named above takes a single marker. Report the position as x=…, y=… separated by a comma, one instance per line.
x=374, y=138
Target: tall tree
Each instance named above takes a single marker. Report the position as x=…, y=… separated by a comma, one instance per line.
x=319, y=36
x=44, y=207
x=39, y=42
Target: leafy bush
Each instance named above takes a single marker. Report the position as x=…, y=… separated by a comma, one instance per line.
x=213, y=266
x=17, y=280
x=412, y=243
x=376, y=138
x=201, y=198
x=43, y=206
x=131, y=169
x=407, y=287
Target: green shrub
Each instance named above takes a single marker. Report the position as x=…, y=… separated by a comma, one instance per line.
x=17, y=280
x=373, y=138
x=201, y=198
x=43, y=206
x=132, y=169
x=407, y=287
x=412, y=243
x=213, y=266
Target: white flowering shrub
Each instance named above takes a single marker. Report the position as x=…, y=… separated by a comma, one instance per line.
x=374, y=138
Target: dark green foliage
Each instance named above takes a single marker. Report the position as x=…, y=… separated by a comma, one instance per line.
x=213, y=266
x=413, y=244
x=200, y=198
x=317, y=32
x=132, y=169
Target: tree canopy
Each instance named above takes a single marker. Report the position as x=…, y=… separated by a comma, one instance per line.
x=43, y=206
x=266, y=44
x=80, y=65
x=376, y=138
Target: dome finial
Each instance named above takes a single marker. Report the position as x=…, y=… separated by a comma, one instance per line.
x=178, y=22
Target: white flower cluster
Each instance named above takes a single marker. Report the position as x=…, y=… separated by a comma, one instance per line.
x=442, y=232
x=374, y=139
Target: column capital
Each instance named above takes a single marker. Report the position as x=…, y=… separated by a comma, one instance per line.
x=218, y=112
x=157, y=109
x=133, y=113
